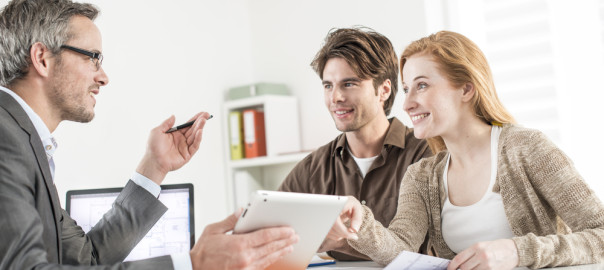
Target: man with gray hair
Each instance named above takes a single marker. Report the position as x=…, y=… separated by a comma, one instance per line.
x=50, y=71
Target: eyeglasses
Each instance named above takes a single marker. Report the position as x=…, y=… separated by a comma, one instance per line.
x=96, y=58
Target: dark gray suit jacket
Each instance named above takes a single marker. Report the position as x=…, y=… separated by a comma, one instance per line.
x=36, y=233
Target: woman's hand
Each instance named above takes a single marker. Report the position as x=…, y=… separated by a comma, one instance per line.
x=353, y=212
x=500, y=254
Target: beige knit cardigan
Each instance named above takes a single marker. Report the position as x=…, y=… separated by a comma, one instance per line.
x=538, y=184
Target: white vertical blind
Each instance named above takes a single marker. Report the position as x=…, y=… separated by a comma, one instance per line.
x=547, y=58
x=602, y=21
x=518, y=41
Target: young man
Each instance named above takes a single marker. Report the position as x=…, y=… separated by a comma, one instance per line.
x=359, y=70
x=50, y=71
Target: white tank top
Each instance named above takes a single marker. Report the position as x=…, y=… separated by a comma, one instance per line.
x=485, y=220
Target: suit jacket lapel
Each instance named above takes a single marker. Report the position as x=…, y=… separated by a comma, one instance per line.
x=20, y=116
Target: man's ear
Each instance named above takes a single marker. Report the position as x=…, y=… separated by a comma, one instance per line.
x=40, y=59
x=385, y=90
x=468, y=92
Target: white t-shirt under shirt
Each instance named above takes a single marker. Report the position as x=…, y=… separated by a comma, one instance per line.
x=485, y=220
x=363, y=163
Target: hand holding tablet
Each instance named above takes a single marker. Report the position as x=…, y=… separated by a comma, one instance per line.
x=310, y=215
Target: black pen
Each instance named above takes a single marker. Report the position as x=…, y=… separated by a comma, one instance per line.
x=185, y=125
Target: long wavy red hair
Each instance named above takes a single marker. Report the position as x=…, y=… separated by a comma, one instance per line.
x=461, y=61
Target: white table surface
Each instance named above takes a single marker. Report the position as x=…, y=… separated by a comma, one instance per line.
x=373, y=265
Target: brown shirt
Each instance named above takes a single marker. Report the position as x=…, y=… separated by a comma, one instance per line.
x=538, y=185
x=332, y=170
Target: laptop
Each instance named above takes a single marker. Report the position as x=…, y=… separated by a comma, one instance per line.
x=310, y=215
x=173, y=233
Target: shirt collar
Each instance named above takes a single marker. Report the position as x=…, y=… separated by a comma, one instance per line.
x=395, y=136
x=50, y=145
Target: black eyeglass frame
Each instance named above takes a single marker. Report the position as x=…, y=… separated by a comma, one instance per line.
x=93, y=55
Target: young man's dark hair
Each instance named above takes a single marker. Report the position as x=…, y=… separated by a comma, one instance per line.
x=369, y=54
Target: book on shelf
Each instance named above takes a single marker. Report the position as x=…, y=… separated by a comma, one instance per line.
x=236, y=135
x=254, y=133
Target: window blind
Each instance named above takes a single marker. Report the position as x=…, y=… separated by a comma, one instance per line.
x=519, y=50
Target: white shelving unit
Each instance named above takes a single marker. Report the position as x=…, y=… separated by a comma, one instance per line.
x=282, y=130
x=267, y=161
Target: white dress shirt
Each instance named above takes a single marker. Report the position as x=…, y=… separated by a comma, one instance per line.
x=50, y=145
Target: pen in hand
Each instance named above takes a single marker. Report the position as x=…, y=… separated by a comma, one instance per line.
x=185, y=125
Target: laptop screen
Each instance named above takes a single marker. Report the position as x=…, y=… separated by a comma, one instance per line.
x=173, y=233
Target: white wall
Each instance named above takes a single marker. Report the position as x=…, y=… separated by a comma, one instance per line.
x=284, y=42
x=179, y=57
x=162, y=58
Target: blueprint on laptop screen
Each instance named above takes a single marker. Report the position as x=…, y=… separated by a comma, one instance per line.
x=171, y=234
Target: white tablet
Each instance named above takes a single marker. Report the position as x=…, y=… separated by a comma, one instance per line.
x=310, y=215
